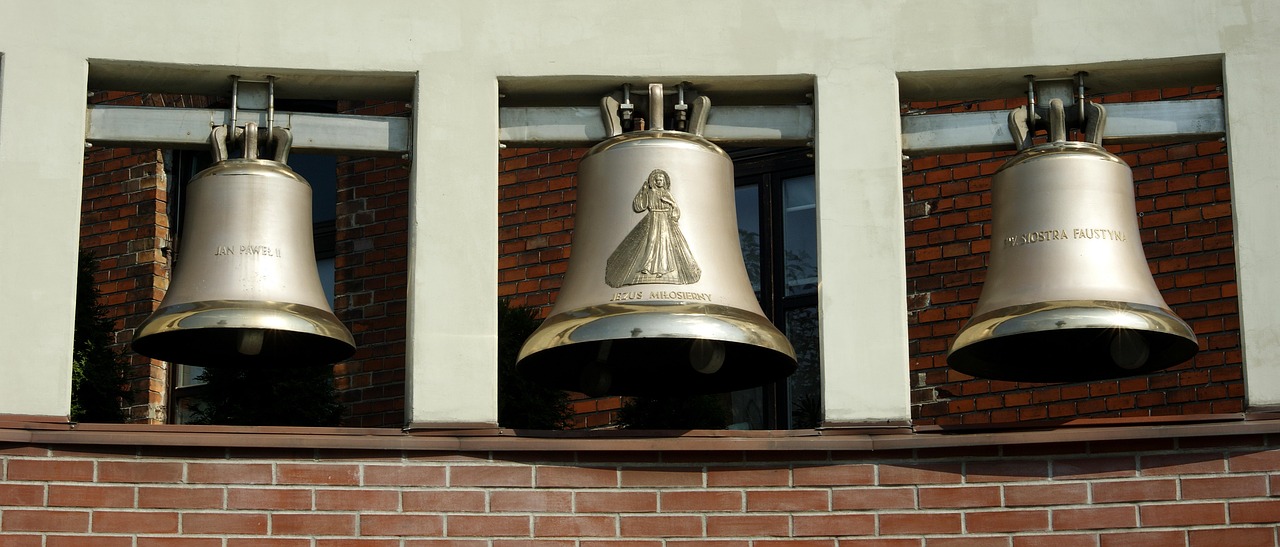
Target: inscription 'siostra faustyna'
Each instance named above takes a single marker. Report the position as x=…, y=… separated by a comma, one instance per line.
x=255, y=250
x=1097, y=234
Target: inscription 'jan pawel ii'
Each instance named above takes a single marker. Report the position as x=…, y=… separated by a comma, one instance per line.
x=1097, y=234
x=257, y=250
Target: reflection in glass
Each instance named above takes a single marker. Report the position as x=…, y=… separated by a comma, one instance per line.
x=747, y=200
x=800, y=230
x=805, y=385
x=777, y=229
x=326, y=268
x=322, y=173
x=747, y=408
x=187, y=376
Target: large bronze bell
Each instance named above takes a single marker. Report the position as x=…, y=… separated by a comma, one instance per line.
x=245, y=289
x=1068, y=294
x=656, y=299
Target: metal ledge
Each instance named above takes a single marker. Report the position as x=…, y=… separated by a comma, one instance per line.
x=506, y=440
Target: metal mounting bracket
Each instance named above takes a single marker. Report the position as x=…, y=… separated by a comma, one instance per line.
x=1057, y=105
x=689, y=112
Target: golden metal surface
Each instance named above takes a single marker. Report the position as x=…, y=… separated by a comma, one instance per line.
x=637, y=313
x=655, y=251
x=1068, y=294
x=245, y=290
x=213, y=332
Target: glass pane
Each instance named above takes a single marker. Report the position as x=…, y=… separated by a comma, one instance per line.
x=325, y=266
x=187, y=376
x=747, y=407
x=805, y=386
x=800, y=229
x=322, y=172
x=185, y=409
x=747, y=198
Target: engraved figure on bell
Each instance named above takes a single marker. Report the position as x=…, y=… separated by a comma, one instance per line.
x=655, y=251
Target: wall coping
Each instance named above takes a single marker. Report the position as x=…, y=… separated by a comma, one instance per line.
x=848, y=437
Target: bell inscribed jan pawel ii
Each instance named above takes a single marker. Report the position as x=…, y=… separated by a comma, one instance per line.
x=655, y=251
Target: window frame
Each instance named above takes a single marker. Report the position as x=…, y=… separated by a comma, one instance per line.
x=768, y=168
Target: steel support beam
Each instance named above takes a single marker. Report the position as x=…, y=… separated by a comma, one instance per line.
x=189, y=128
x=793, y=125
x=1127, y=123
x=579, y=126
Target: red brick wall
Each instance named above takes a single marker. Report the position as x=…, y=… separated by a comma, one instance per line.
x=1184, y=203
x=123, y=223
x=1192, y=491
x=372, y=275
x=537, y=195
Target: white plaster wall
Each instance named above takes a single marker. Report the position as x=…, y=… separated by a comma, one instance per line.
x=460, y=49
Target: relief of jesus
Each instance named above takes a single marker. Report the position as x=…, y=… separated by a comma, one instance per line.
x=655, y=251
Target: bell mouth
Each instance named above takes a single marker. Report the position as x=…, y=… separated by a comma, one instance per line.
x=1071, y=341
x=234, y=333
x=656, y=348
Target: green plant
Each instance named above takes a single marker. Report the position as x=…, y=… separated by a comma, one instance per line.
x=682, y=412
x=99, y=377
x=522, y=403
x=293, y=396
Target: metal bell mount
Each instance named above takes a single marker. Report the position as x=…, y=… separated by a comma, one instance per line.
x=1068, y=294
x=656, y=299
x=245, y=290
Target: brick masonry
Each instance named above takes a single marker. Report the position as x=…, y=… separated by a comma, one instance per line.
x=371, y=277
x=123, y=223
x=1206, y=491
x=536, y=203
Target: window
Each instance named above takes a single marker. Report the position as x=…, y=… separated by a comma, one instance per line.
x=777, y=228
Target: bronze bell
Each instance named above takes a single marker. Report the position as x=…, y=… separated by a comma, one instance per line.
x=1068, y=294
x=245, y=289
x=656, y=299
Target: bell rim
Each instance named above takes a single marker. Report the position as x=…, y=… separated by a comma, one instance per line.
x=555, y=357
x=231, y=315
x=1076, y=316
x=616, y=321
x=210, y=314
